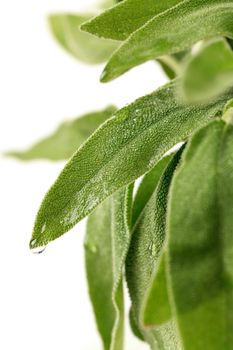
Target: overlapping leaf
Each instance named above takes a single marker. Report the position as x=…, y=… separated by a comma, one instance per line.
x=209, y=72
x=157, y=309
x=171, y=31
x=67, y=138
x=83, y=46
x=145, y=249
x=125, y=147
x=122, y=20
x=146, y=188
x=142, y=197
x=98, y=256
x=201, y=240
x=107, y=241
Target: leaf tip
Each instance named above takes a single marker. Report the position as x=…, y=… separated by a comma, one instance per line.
x=104, y=78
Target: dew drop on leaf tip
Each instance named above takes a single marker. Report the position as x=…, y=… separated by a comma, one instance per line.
x=36, y=250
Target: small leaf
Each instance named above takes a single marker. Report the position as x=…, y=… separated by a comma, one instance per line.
x=124, y=148
x=66, y=139
x=156, y=309
x=172, y=31
x=201, y=241
x=83, y=46
x=209, y=72
x=147, y=187
x=145, y=249
x=142, y=197
x=134, y=327
x=121, y=234
x=172, y=65
x=98, y=256
x=107, y=241
x=122, y=20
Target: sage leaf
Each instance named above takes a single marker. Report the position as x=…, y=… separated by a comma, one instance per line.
x=98, y=257
x=157, y=309
x=145, y=249
x=200, y=240
x=142, y=197
x=106, y=245
x=134, y=327
x=83, y=46
x=209, y=72
x=120, y=21
x=121, y=234
x=124, y=148
x=146, y=188
x=66, y=139
x=172, y=31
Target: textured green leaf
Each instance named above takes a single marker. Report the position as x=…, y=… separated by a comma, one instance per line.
x=98, y=256
x=172, y=31
x=122, y=20
x=125, y=147
x=209, y=72
x=157, y=309
x=142, y=197
x=67, y=138
x=201, y=240
x=106, y=246
x=121, y=234
x=145, y=249
x=83, y=46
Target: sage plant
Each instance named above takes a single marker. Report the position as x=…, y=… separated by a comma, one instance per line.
x=170, y=237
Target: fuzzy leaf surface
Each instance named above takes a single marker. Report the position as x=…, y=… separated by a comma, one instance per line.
x=145, y=249
x=66, y=139
x=83, y=46
x=172, y=31
x=142, y=197
x=124, y=148
x=200, y=240
x=209, y=72
x=120, y=21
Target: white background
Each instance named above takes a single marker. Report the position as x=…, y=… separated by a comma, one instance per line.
x=43, y=299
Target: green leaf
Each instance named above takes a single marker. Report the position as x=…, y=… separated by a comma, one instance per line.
x=147, y=187
x=143, y=256
x=66, y=139
x=125, y=147
x=83, y=46
x=98, y=256
x=142, y=197
x=172, y=65
x=106, y=245
x=134, y=327
x=172, y=31
x=209, y=72
x=122, y=20
x=121, y=234
x=201, y=241
x=156, y=309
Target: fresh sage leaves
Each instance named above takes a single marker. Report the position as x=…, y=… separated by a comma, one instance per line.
x=171, y=240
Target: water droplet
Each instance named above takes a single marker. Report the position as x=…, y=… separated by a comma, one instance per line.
x=36, y=250
x=91, y=247
x=43, y=228
x=153, y=249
